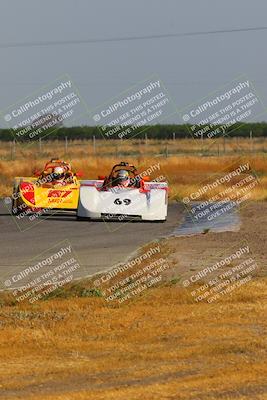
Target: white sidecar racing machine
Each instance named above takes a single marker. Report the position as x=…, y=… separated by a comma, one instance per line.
x=109, y=198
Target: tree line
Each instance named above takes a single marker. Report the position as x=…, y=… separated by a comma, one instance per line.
x=168, y=131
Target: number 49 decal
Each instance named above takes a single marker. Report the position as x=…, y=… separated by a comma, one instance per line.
x=125, y=201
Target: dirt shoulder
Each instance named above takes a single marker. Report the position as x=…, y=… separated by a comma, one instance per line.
x=198, y=251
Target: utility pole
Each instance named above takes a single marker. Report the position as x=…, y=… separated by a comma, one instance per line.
x=146, y=138
x=251, y=141
x=66, y=145
x=94, y=144
x=167, y=151
x=13, y=150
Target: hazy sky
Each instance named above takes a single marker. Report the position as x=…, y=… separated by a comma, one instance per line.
x=190, y=67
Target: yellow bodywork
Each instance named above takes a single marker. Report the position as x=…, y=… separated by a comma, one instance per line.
x=48, y=195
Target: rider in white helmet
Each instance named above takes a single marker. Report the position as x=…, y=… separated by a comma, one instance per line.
x=122, y=178
x=59, y=175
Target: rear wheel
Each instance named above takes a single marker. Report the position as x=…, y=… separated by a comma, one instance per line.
x=14, y=209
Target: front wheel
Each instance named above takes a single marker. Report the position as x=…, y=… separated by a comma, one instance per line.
x=82, y=218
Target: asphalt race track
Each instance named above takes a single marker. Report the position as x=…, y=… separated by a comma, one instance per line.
x=98, y=245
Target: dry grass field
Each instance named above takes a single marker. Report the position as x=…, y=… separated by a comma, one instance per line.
x=159, y=346
x=186, y=165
